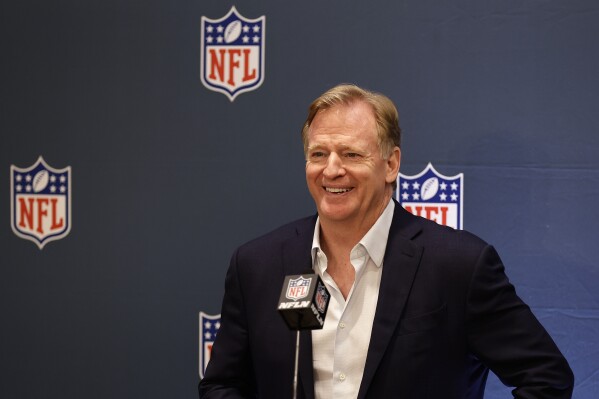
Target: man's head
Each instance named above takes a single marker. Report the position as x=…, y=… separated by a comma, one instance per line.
x=387, y=118
x=352, y=158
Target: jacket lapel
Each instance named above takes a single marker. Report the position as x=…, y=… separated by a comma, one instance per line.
x=400, y=264
x=297, y=259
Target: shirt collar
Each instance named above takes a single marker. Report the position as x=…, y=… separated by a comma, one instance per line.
x=375, y=240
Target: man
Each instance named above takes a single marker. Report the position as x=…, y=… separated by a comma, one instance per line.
x=417, y=310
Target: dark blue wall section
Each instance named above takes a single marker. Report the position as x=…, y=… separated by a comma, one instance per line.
x=169, y=177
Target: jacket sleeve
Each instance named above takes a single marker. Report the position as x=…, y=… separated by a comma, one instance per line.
x=229, y=373
x=505, y=335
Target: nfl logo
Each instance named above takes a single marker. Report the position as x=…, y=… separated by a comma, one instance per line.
x=232, y=54
x=298, y=288
x=209, y=326
x=433, y=196
x=322, y=298
x=40, y=202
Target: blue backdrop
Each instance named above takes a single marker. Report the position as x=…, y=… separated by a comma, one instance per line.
x=168, y=177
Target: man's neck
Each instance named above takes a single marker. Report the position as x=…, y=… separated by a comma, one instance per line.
x=342, y=236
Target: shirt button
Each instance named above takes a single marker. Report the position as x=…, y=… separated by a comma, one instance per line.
x=342, y=325
x=341, y=377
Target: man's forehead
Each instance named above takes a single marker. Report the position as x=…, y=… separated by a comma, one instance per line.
x=346, y=106
x=344, y=117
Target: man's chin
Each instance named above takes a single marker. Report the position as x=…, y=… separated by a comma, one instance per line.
x=335, y=213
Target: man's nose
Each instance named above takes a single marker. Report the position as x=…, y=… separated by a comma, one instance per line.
x=334, y=166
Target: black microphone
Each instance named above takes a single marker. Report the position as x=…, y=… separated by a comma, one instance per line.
x=304, y=301
x=303, y=305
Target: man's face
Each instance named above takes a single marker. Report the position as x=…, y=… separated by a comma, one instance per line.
x=346, y=175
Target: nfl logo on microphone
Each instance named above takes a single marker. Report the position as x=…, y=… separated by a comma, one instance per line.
x=232, y=53
x=298, y=288
x=433, y=196
x=40, y=202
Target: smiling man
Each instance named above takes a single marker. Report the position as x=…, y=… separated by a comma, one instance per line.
x=417, y=310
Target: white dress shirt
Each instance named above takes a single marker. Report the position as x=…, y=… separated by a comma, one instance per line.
x=339, y=349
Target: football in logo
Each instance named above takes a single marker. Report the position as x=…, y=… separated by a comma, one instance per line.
x=429, y=188
x=233, y=31
x=40, y=181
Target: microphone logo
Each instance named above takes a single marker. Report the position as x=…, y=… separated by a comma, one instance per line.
x=298, y=288
x=322, y=298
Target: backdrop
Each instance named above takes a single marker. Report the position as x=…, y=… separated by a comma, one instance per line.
x=174, y=164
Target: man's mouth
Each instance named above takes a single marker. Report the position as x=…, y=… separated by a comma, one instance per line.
x=336, y=190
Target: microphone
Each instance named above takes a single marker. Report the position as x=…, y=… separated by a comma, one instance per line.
x=304, y=302
x=303, y=305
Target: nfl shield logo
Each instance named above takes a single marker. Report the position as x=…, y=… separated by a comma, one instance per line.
x=322, y=298
x=209, y=326
x=232, y=54
x=298, y=288
x=433, y=196
x=40, y=202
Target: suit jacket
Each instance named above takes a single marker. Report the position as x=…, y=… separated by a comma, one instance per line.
x=446, y=313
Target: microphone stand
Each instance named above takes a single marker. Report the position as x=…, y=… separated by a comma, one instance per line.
x=297, y=345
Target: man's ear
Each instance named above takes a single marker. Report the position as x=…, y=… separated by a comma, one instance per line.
x=393, y=165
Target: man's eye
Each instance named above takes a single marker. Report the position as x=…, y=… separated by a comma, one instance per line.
x=352, y=155
x=317, y=154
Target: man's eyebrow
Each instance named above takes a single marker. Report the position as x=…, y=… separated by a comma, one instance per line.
x=314, y=147
x=351, y=148
x=341, y=147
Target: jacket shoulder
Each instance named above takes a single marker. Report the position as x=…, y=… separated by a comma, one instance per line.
x=422, y=230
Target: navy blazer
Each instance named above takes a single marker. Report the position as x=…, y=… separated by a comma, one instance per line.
x=446, y=314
